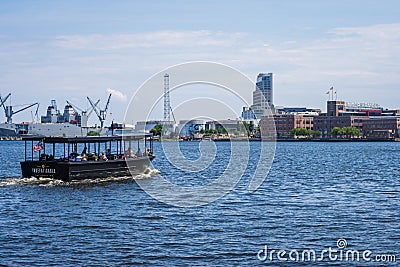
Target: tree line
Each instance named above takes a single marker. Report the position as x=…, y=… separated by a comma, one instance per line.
x=249, y=129
x=346, y=132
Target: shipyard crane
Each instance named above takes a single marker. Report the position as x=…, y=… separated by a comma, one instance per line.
x=4, y=100
x=36, y=117
x=101, y=113
x=8, y=110
x=86, y=112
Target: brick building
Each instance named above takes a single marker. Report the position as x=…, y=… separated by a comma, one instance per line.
x=372, y=123
x=286, y=123
x=325, y=124
x=336, y=116
x=382, y=127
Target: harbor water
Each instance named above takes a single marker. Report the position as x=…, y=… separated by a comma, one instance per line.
x=315, y=195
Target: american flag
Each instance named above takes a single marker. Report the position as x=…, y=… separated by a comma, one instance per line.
x=38, y=147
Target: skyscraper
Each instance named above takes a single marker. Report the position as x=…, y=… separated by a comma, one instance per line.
x=265, y=85
x=263, y=95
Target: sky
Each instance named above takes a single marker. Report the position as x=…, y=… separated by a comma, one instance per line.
x=67, y=50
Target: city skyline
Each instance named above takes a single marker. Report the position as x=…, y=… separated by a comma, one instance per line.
x=70, y=50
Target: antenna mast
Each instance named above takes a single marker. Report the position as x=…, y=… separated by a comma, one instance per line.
x=167, y=103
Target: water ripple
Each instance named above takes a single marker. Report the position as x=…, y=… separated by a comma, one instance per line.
x=314, y=194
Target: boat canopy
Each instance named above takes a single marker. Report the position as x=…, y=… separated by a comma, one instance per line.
x=87, y=139
x=94, y=144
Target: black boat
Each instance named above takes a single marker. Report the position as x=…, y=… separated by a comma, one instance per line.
x=101, y=156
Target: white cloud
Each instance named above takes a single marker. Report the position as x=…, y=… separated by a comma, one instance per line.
x=355, y=59
x=117, y=94
x=147, y=40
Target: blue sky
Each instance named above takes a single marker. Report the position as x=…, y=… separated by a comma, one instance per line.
x=71, y=49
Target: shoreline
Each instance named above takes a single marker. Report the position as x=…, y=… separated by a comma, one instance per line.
x=358, y=140
x=259, y=140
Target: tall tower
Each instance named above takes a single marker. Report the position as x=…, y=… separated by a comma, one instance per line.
x=265, y=85
x=263, y=95
x=167, y=103
x=335, y=107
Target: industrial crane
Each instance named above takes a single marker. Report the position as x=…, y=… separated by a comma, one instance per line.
x=2, y=101
x=36, y=117
x=8, y=110
x=101, y=113
x=86, y=112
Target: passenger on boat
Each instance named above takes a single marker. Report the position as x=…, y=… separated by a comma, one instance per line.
x=138, y=152
x=84, y=157
x=103, y=156
x=72, y=156
x=92, y=156
x=109, y=155
x=129, y=153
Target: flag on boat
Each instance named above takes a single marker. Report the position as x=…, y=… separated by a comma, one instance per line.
x=38, y=147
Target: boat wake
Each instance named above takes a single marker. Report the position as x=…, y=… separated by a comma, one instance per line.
x=10, y=181
x=147, y=174
x=27, y=181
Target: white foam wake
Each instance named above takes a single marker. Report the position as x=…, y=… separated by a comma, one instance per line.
x=27, y=181
x=148, y=173
x=54, y=182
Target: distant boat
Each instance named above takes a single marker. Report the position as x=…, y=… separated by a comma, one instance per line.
x=58, y=157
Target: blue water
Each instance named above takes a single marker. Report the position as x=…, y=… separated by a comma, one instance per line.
x=314, y=194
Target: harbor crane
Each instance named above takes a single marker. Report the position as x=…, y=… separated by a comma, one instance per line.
x=36, y=117
x=101, y=113
x=86, y=112
x=8, y=110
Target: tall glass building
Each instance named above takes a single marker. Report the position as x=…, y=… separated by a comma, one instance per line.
x=265, y=85
x=263, y=95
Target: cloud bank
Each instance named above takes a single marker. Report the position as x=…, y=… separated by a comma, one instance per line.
x=363, y=63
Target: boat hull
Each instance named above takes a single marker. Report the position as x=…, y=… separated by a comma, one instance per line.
x=69, y=171
x=8, y=129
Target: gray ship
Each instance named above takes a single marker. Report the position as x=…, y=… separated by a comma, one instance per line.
x=69, y=123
